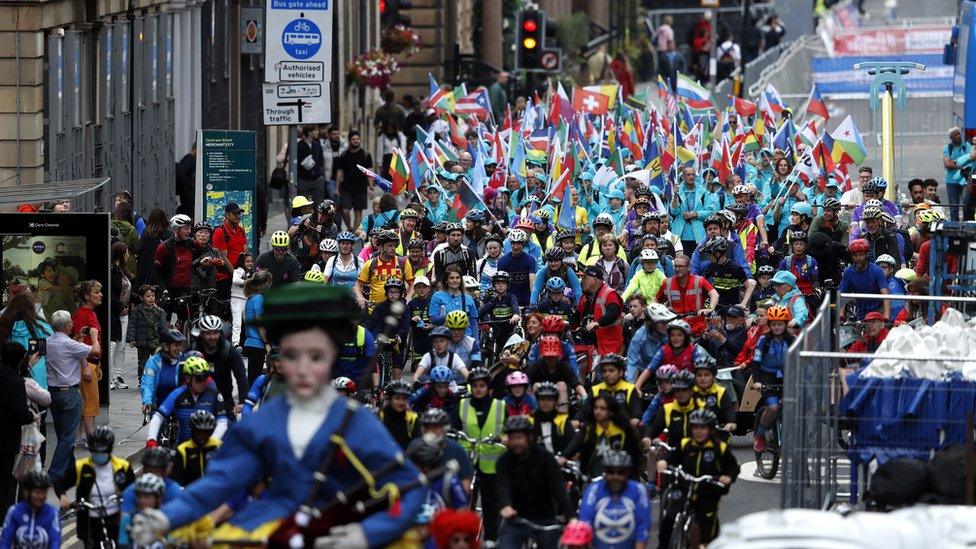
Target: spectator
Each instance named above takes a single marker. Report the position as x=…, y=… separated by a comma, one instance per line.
x=157, y=230
x=230, y=240
x=390, y=112
x=255, y=341
x=701, y=46
x=311, y=177
x=753, y=42
x=415, y=119
x=333, y=145
x=390, y=138
x=137, y=220
x=667, y=54
x=15, y=413
x=773, y=31
x=728, y=55
x=122, y=220
x=351, y=184
x=622, y=73
x=121, y=287
x=186, y=180
x=597, y=70
x=499, y=96
x=957, y=156
x=87, y=329
x=147, y=321
x=854, y=197
x=243, y=272
x=20, y=323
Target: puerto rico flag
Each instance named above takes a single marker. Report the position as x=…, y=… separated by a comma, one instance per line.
x=475, y=103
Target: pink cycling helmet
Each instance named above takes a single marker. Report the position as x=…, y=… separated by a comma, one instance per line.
x=577, y=533
x=516, y=378
x=665, y=371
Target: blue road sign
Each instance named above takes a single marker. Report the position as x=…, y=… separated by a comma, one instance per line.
x=301, y=38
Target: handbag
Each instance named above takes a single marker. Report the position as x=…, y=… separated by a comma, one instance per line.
x=279, y=179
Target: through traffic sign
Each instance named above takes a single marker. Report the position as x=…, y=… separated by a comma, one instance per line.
x=297, y=103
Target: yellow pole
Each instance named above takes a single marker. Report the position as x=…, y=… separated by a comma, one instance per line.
x=888, y=143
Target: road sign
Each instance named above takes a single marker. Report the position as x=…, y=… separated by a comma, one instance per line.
x=226, y=173
x=252, y=31
x=299, y=41
x=297, y=103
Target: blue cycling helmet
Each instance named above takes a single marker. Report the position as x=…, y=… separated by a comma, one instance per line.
x=555, y=284
x=441, y=374
x=345, y=236
x=802, y=208
x=876, y=184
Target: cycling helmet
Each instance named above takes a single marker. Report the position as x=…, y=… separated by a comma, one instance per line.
x=525, y=224
x=766, y=270
x=156, y=457
x=643, y=191
x=704, y=361
x=327, y=206
x=802, y=208
x=280, y=239
x=440, y=227
x=661, y=216
x=102, y=439
x=665, y=372
x=831, y=204
x=475, y=216
x=617, y=459
x=398, y=387
x=314, y=275
x=729, y=217
x=518, y=424
x=928, y=216
x=346, y=236
x=470, y=283
x=210, y=323
x=203, y=225
x=872, y=213
x=886, y=217
x=876, y=184
x=642, y=201
x=718, y=246
x=555, y=254
x=715, y=219
x=329, y=246
x=603, y=219
x=481, y=373
x=657, y=312
x=386, y=236
x=441, y=374
x=798, y=235
x=456, y=320
x=300, y=202
x=738, y=209
x=396, y=283
x=172, y=336
x=409, y=213
x=703, y=416
x=564, y=234
x=203, y=420
x=192, y=354
x=577, y=533
x=517, y=377
x=180, y=220
x=873, y=203
x=555, y=284
x=546, y=389
x=35, y=480
x=648, y=255
x=885, y=258
x=779, y=312
x=434, y=416
x=517, y=235
x=741, y=189
x=550, y=346
x=195, y=366
x=343, y=383
x=416, y=244
x=612, y=359
x=451, y=227
x=678, y=324
x=149, y=483
x=501, y=276
x=682, y=379
x=858, y=245
x=906, y=274
x=440, y=331
x=553, y=324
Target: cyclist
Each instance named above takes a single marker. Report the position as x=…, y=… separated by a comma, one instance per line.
x=344, y=386
x=441, y=355
x=555, y=267
x=162, y=372
x=397, y=416
x=444, y=491
x=566, y=239
x=225, y=359
x=552, y=428
x=436, y=393
x=713, y=396
x=147, y=492
x=376, y=322
x=701, y=453
x=680, y=350
x=882, y=240
x=768, y=362
x=434, y=424
x=501, y=308
x=601, y=312
x=552, y=367
x=475, y=230
x=418, y=313
x=518, y=401
x=266, y=386
x=192, y=455
x=605, y=427
x=577, y=535
x=417, y=257
x=556, y=303
x=554, y=325
x=789, y=296
x=407, y=233
x=377, y=270
x=279, y=261
x=32, y=522
x=520, y=266
x=173, y=259
x=465, y=346
x=197, y=394
x=602, y=225
x=343, y=268
x=482, y=417
x=454, y=298
x=874, y=334
x=685, y=294
x=328, y=248
x=733, y=283
x=864, y=277
x=356, y=354
x=453, y=254
x=155, y=461
x=117, y=475
x=487, y=266
x=617, y=508
x=647, y=339
x=672, y=418
x=530, y=487
x=648, y=280
x=663, y=396
x=725, y=341
x=625, y=393
x=206, y=259
x=764, y=287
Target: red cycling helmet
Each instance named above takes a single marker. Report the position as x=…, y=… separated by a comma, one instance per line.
x=577, y=533
x=549, y=345
x=552, y=324
x=859, y=245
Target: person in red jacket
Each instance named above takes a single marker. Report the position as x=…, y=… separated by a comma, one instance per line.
x=874, y=333
x=758, y=328
x=685, y=294
x=621, y=71
x=601, y=312
x=174, y=259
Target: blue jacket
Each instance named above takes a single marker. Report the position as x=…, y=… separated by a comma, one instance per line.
x=735, y=253
x=159, y=379
x=210, y=400
x=128, y=506
x=796, y=303
x=651, y=410
x=542, y=276
x=448, y=302
x=691, y=201
x=20, y=334
x=607, y=515
x=258, y=446
x=255, y=395
x=643, y=346
x=355, y=357
x=23, y=528
x=771, y=356
x=439, y=213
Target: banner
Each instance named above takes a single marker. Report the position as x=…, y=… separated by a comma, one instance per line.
x=833, y=76
x=889, y=41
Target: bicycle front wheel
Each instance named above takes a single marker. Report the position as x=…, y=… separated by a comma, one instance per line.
x=685, y=533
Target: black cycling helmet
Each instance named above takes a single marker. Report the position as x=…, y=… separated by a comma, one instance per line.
x=798, y=235
x=416, y=244
x=612, y=359
x=492, y=238
x=715, y=219
x=386, y=236
x=738, y=209
x=682, y=380
x=555, y=254
x=203, y=420
x=399, y=387
x=518, y=424
x=434, y=416
x=703, y=416
x=564, y=234
x=481, y=373
x=718, y=245
x=35, y=480
x=327, y=206
x=546, y=389
x=475, y=216
x=203, y=225
x=156, y=457
x=423, y=453
x=102, y=439
x=394, y=282
x=172, y=336
x=617, y=459
x=440, y=227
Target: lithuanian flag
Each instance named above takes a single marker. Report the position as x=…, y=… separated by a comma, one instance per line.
x=400, y=173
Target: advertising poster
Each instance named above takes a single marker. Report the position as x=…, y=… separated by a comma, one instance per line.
x=49, y=254
x=225, y=173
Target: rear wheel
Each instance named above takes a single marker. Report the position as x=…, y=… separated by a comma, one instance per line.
x=767, y=461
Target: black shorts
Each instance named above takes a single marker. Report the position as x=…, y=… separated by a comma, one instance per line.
x=352, y=201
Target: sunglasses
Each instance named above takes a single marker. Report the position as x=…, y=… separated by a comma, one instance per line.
x=201, y=377
x=615, y=472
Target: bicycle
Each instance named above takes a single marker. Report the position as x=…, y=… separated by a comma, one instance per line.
x=169, y=433
x=685, y=534
x=488, y=332
x=537, y=529
x=767, y=461
x=107, y=541
x=574, y=481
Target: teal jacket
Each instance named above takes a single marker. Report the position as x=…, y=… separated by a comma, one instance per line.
x=697, y=200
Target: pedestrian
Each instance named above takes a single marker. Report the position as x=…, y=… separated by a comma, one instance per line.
x=390, y=112
x=255, y=340
x=773, y=31
x=123, y=220
x=667, y=55
x=333, y=145
x=498, y=96
x=623, y=74
x=16, y=413
x=156, y=231
x=147, y=322
x=728, y=55
x=86, y=328
x=390, y=138
x=121, y=287
x=957, y=157
x=230, y=240
x=243, y=272
x=186, y=180
x=20, y=323
x=351, y=184
x=311, y=177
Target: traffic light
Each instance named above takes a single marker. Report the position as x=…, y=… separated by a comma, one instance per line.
x=394, y=12
x=534, y=36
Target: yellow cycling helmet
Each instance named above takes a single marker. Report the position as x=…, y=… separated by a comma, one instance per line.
x=315, y=276
x=300, y=202
x=280, y=239
x=456, y=320
x=196, y=366
x=906, y=274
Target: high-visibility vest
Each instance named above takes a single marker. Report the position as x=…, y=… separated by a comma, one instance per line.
x=489, y=453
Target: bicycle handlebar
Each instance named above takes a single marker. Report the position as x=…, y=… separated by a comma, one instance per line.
x=680, y=473
x=460, y=435
x=111, y=500
x=538, y=527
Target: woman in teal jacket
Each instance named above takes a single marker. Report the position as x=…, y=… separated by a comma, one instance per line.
x=690, y=199
x=19, y=323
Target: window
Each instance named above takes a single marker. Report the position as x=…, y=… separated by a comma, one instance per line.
x=75, y=45
x=154, y=57
x=123, y=35
x=106, y=45
x=168, y=52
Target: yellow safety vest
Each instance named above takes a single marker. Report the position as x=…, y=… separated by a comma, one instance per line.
x=489, y=453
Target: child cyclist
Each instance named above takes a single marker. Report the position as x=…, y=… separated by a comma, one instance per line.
x=419, y=315
x=437, y=393
x=501, y=308
x=192, y=455
x=663, y=396
x=713, y=396
x=32, y=522
x=266, y=386
x=767, y=362
x=519, y=402
x=555, y=302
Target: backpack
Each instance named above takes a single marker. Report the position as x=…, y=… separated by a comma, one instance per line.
x=401, y=263
x=899, y=482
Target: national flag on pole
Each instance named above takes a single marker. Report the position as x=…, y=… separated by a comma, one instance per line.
x=770, y=102
x=475, y=103
x=419, y=165
x=652, y=158
x=842, y=177
x=384, y=184
x=807, y=135
x=590, y=102
x=693, y=93
x=439, y=97
x=567, y=212
x=742, y=107
x=848, y=146
x=457, y=138
x=816, y=104
x=466, y=200
x=400, y=173
x=609, y=90
x=663, y=88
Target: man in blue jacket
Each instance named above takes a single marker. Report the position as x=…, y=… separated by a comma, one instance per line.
x=617, y=508
x=161, y=376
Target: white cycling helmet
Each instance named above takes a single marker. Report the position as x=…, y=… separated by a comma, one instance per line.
x=210, y=323
x=329, y=246
x=657, y=312
x=885, y=258
x=180, y=220
x=741, y=189
x=648, y=255
x=518, y=235
x=470, y=282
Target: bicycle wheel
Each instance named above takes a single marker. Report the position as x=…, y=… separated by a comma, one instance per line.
x=685, y=532
x=767, y=461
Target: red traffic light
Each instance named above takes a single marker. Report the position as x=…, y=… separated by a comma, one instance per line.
x=382, y=7
x=530, y=25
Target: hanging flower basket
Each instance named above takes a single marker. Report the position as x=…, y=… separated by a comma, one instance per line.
x=399, y=39
x=373, y=69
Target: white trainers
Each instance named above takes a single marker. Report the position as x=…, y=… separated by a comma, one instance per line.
x=119, y=383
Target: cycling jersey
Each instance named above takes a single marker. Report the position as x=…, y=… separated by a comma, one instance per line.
x=182, y=402
x=524, y=406
x=770, y=353
x=27, y=528
x=623, y=392
x=562, y=308
x=446, y=492
x=191, y=460
x=159, y=378
x=356, y=354
x=727, y=278
x=804, y=268
x=518, y=268
x=552, y=430
x=468, y=350
x=375, y=272
x=264, y=387
x=618, y=520
x=717, y=399
x=673, y=417
x=499, y=307
x=568, y=276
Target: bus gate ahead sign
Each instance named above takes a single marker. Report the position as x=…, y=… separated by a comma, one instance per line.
x=299, y=41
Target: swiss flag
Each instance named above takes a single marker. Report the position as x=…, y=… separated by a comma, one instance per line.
x=591, y=102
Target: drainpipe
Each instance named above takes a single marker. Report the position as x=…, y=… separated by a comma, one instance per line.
x=17, y=90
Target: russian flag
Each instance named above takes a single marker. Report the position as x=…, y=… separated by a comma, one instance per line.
x=816, y=104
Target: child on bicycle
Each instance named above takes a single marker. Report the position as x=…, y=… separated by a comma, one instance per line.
x=376, y=322
x=554, y=325
x=764, y=286
x=441, y=355
x=663, y=374
x=192, y=455
x=518, y=401
x=266, y=386
x=417, y=312
x=624, y=392
x=552, y=428
x=713, y=396
x=32, y=522
x=443, y=491
x=672, y=418
x=501, y=309
x=553, y=368
x=700, y=454
x=437, y=393
x=767, y=362
x=555, y=302
x=148, y=490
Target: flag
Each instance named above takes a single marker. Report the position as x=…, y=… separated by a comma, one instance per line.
x=475, y=103
x=466, y=199
x=742, y=107
x=419, y=165
x=652, y=159
x=439, y=98
x=384, y=184
x=784, y=139
x=842, y=177
x=400, y=174
x=479, y=177
x=770, y=102
x=807, y=135
x=694, y=93
x=816, y=104
x=807, y=167
x=442, y=154
x=457, y=138
x=590, y=102
x=848, y=146
x=609, y=90
x=663, y=88
x=567, y=212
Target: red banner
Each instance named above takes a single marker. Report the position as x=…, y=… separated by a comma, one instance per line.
x=888, y=41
